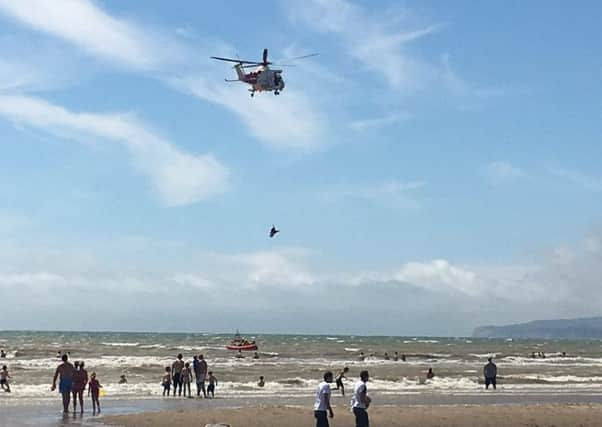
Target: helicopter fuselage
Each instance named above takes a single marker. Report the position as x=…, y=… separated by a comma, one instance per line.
x=264, y=79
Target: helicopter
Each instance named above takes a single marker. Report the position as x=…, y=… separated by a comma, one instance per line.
x=264, y=78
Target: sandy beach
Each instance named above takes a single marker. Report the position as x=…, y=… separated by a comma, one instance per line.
x=416, y=416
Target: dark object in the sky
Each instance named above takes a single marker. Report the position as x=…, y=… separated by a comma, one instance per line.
x=273, y=231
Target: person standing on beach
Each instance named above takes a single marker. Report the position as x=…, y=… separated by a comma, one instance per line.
x=490, y=373
x=65, y=373
x=322, y=404
x=186, y=379
x=339, y=380
x=166, y=381
x=4, y=377
x=200, y=372
x=94, y=391
x=212, y=385
x=2, y=354
x=80, y=379
x=176, y=371
x=361, y=401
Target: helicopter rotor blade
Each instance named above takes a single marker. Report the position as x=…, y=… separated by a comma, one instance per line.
x=301, y=57
x=238, y=61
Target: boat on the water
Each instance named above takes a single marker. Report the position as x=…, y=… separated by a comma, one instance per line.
x=240, y=343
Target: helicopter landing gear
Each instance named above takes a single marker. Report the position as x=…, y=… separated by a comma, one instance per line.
x=252, y=94
x=276, y=92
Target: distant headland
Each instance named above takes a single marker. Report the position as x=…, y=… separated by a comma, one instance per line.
x=586, y=328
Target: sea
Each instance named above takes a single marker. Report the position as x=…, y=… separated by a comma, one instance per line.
x=292, y=365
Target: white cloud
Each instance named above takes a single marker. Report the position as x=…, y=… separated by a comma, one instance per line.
x=18, y=76
x=283, y=268
x=587, y=182
x=178, y=177
x=377, y=122
x=447, y=297
x=274, y=268
x=81, y=22
x=286, y=121
x=439, y=275
x=500, y=172
x=193, y=280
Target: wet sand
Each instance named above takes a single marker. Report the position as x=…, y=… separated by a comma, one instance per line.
x=47, y=412
x=560, y=415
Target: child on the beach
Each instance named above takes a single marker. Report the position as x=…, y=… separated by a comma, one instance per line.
x=94, y=391
x=166, y=382
x=212, y=384
x=4, y=377
x=186, y=378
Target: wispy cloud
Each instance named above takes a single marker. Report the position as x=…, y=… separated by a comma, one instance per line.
x=392, y=193
x=178, y=177
x=377, y=44
x=288, y=121
x=585, y=181
x=500, y=172
x=384, y=46
x=377, y=122
x=81, y=22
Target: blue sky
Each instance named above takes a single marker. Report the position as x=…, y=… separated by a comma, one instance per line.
x=436, y=166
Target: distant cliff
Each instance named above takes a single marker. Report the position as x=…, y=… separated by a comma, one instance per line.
x=561, y=328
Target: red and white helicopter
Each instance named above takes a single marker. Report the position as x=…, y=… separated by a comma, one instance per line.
x=263, y=78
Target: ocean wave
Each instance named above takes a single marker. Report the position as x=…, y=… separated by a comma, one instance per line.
x=566, y=361
x=295, y=387
x=554, y=378
x=153, y=346
x=121, y=344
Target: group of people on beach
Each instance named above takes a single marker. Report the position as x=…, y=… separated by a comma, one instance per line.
x=359, y=403
x=72, y=380
x=360, y=400
x=180, y=375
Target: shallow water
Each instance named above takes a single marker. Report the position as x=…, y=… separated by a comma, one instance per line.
x=292, y=364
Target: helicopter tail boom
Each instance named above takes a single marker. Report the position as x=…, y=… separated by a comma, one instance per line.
x=239, y=72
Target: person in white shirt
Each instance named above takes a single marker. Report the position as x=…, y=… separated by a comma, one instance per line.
x=322, y=404
x=361, y=401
